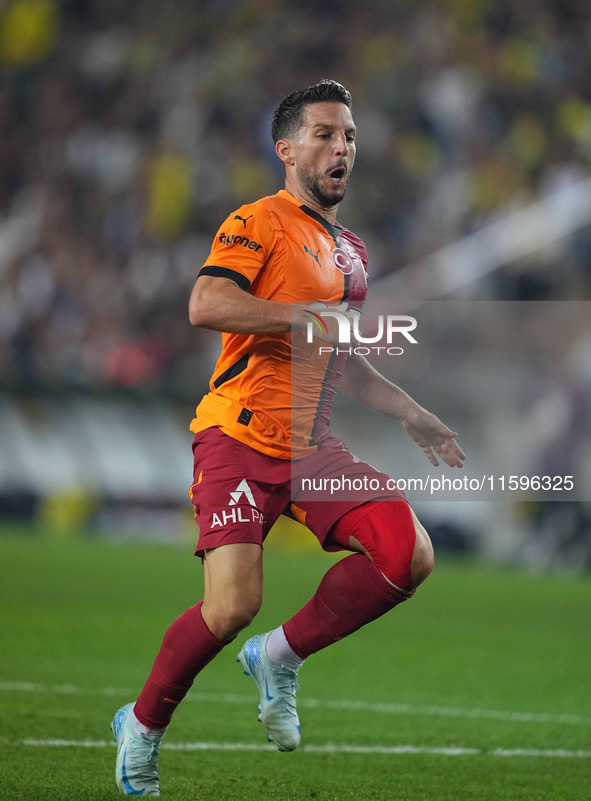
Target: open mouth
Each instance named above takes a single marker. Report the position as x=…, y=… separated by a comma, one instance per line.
x=337, y=175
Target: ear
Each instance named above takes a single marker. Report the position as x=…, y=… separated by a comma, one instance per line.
x=286, y=151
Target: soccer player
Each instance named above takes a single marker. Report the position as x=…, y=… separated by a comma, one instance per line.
x=264, y=426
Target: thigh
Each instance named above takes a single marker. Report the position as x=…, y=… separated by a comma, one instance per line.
x=332, y=482
x=233, y=577
x=237, y=492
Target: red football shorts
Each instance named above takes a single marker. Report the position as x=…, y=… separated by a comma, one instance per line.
x=238, y=493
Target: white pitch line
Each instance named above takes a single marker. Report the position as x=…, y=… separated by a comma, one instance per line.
x=388, y=708
x=329, y=748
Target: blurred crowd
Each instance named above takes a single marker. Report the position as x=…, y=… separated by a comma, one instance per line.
x=129, y=130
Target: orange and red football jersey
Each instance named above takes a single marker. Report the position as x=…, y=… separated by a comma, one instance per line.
x=274, y=392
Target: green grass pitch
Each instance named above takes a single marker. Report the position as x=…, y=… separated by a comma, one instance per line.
x=475, y=690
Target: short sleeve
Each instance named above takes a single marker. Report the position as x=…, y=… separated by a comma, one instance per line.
x=241, y=246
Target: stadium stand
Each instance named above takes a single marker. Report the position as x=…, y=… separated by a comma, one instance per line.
x=129, y=130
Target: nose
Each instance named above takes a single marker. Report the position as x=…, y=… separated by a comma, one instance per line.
x=341, y=145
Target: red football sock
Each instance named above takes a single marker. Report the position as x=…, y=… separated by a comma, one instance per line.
x=352, y=593
x=188, y=646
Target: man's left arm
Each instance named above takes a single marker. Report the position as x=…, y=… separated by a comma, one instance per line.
x=363, y=383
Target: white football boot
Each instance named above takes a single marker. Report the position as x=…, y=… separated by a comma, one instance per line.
x=278, y=686
x=136, y=770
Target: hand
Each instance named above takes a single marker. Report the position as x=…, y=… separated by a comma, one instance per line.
x=433, y=437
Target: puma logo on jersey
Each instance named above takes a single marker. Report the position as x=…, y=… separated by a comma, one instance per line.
x=244, y=219
x=315, y=257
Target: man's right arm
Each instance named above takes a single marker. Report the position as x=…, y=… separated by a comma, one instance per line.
x=221, y=305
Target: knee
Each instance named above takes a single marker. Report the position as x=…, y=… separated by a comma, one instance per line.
x=391, y=535
x=226, y=618
x=386, y=533
x=423, y=558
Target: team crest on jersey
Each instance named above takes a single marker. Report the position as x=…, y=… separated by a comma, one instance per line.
x=342, y=261
x=346, y=258
x=349, y=262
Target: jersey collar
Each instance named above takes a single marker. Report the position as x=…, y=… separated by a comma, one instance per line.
x=333, y=230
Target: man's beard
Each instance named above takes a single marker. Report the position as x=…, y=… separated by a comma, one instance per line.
x=311, y=182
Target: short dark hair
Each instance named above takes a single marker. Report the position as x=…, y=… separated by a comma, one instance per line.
x=287, y=118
